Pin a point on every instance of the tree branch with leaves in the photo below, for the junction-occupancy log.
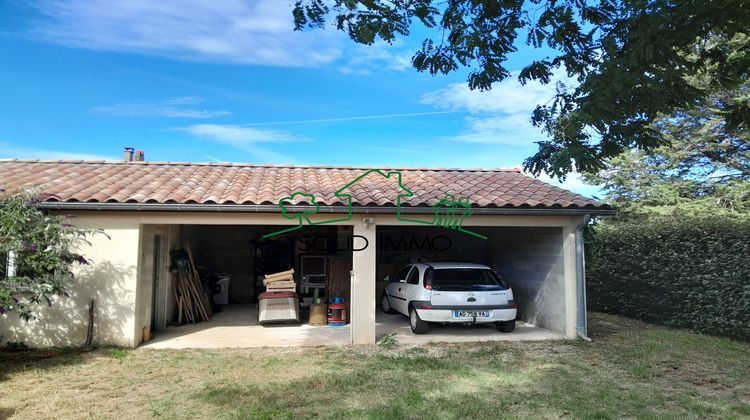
(634, 60)
(43, 248)
(705, 165)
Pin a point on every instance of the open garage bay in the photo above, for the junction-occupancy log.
(236, 327)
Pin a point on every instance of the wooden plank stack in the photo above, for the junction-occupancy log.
(193, 304)
(280, 282)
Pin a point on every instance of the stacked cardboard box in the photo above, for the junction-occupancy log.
(280, 282)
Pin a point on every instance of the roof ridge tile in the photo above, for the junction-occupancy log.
(256, 165)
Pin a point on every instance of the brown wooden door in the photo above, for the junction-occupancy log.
(339, 273)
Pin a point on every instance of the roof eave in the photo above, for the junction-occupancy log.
(272, 208)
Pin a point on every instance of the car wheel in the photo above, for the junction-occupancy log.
(385, 304)
(506, 326)
(417, 325)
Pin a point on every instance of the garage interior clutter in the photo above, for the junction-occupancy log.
(303, 277)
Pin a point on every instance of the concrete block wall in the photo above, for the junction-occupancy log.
(531, 259)
(402, 245)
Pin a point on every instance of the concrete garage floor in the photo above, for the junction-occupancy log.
(236, 327)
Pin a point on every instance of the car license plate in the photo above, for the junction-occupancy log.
(471, 314)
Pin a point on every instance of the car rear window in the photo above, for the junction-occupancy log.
(466, 279)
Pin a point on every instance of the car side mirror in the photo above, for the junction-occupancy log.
(387, 279)
(402, 280)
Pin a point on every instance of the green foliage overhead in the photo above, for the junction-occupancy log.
(705, 166)
(45, 253)
(677, 253)
(683, 270)
(634, 60)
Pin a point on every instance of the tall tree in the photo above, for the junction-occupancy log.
(633, 60)
(705, 164)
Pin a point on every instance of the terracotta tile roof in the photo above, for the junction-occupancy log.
(226, 183)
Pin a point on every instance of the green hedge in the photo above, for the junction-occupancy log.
(689, 271)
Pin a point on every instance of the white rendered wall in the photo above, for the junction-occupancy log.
(110, 280)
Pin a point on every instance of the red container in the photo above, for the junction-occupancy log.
(337, 314)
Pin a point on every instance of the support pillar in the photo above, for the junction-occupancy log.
(363, 284)
(571, 273)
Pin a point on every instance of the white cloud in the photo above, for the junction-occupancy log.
(174, 108)
(512, 129)
(234, 31)
(499, 116)
(9, 151)
(352, 118)
(246, 139)
(365, 59)
(235, 135)
(508, 97)
(254, 32)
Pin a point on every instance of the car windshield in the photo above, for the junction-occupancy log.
(466, 279)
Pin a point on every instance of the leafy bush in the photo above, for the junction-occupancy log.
(388, 341)
(689, 271)
(45, 249)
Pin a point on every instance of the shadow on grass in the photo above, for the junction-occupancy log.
(490, 380)
(22, 360)
(365, 381)
(454, 386)
(634, 371)
(603, 326)
(6, 412)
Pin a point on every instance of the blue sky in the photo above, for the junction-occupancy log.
(230, 81)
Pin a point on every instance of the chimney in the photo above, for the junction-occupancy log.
(128, 154)
(139, 156)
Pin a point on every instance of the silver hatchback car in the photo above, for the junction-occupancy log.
(450, 292)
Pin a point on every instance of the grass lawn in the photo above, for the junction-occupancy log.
(631, 369)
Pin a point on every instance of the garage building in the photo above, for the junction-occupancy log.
(341, 229)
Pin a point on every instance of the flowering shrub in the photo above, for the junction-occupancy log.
(43, 249)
